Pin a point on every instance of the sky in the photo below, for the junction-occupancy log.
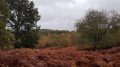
(62, 14)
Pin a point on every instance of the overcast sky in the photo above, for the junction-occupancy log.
(62, 14)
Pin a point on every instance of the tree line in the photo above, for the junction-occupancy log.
(19, 29)
(63, 39)
(49, 31)
(96, 30)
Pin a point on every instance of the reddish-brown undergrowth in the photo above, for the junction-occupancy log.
(60, 57)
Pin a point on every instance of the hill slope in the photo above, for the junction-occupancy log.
(60, 57)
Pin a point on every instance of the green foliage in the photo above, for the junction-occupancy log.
(23, 22)
(6, 40)
(97, 27)
(5, 35)
(31, 38)
(48, 31)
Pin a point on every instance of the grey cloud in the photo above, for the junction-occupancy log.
(105, 4)
(62, 14)
(47, 2)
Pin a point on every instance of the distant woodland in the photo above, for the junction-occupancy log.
(98, 29)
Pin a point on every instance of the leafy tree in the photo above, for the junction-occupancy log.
(23, 22)
(96, 25)
(4, 34)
